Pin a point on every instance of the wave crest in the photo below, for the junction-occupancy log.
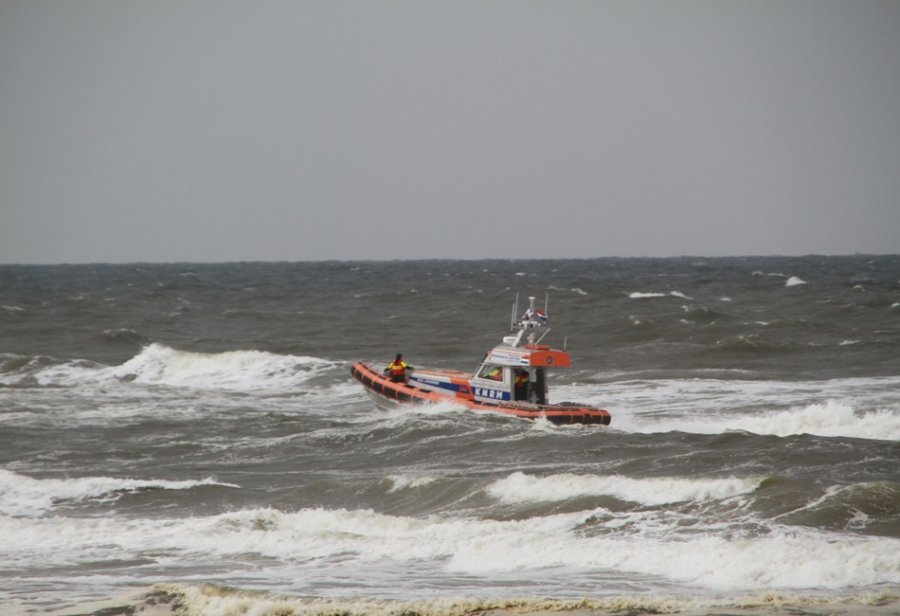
(521, 488)
(343, 540)
(232, 370)
(157, 364)
(21, 495)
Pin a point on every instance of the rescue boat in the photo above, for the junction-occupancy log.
(511, 379)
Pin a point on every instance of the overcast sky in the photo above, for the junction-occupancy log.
(220, 130)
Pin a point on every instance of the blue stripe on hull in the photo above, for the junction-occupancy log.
(434, 384)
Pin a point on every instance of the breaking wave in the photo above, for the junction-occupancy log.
(653, 294)
(235, 370)
(340, 540)
(158, 364)
(21, 495)
(522, 488)
(865, 408)
(830, 419)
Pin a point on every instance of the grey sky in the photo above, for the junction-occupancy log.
(223, 130)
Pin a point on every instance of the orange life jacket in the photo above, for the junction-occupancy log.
(397, 368)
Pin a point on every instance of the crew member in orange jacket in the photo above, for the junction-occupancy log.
(397, 369)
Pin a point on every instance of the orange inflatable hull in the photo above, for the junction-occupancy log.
(383, 389)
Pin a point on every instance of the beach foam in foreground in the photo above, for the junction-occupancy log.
(208, 600)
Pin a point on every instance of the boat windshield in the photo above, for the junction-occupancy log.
(491, 372)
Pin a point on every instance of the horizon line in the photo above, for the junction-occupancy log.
(445, 259)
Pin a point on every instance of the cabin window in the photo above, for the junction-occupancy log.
(491, 372)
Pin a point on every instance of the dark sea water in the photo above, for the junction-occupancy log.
(197, 424)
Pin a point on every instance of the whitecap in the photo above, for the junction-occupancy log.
(354, 541)
(157, 364)
(867, 408)
(832, 418)
(522, 488)
(829, 419)
(21, 495)
(404, 482)
(654, 294)
(639, 295)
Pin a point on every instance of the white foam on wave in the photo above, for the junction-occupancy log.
(42, 370)
(830, 419)
(640, 295)
(158, 364)
(214, 600)
(402, 412)
(405, 482)
(575, 290)
(233, 370)
(522, 488)
(363, 542)
(867, 408)
(783, 559)
(21, 495)
(794, 281)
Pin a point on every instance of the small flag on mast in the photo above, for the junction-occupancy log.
(534, 314)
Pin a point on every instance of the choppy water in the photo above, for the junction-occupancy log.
(197, 423)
